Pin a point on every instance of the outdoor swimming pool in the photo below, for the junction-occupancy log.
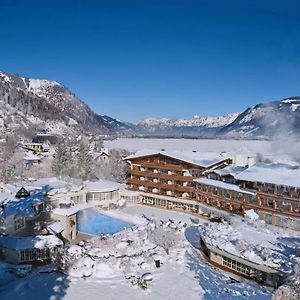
(92, 222)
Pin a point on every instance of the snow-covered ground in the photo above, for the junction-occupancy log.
(102, 265)
(275, 150)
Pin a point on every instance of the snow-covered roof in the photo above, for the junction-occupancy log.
(30, 156)
(101, 186)
(55, 227)
(276, 173)
(222, 185)
(197, 158)
(21, 207)
(71, 210)
(29, 242)
(257, 245)
(230, 170)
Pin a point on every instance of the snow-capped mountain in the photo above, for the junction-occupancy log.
(196, 126)
(32, 104)
(209, 122)
(267, 120)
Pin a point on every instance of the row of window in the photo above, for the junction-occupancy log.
(235, 265)
(102, 196)
(35, 254)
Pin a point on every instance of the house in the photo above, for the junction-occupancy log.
(34, 147)
(29, 249)
(102, 156)
(23, 214)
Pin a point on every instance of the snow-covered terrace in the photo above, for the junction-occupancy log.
(230, 170)
(197, 158)
(275, 173)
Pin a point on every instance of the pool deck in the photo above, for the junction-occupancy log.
(81, 237)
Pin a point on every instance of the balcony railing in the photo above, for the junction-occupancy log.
(162, 175)
(161, 185)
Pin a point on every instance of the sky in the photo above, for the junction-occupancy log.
(148, 58)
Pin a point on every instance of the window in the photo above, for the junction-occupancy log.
(35, 254)
(235, 265)
(19, 223)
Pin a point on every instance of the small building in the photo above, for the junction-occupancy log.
(31, 159)
(35, 147)
(66, 215)
(241, 266)
(102, 156)
(30, 249)
(24, 213)
(102, 193)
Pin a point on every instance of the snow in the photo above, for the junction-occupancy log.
(111, 266)
(30, 242)
(23, 206)
(71, 210)
(230, 170)
(101, 186)
(55, 227)
(200, 145)
(209, 122)
(251, 215)
(253, 242)
(275, 173)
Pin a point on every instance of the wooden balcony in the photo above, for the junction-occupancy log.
(295, 199)
(162, 175)
(161, 185)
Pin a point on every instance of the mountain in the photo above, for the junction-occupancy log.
(267, 120)
(30, 105)
(194, 127)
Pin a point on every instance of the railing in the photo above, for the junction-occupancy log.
(161, 185)
(162, 175)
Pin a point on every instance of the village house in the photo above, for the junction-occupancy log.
(36, 148)
(102, 156)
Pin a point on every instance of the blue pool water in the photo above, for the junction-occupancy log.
(92, 222)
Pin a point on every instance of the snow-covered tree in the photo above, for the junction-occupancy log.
(114, 169)
(164, 237)
(61, 260)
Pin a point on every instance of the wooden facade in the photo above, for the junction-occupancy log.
(164, 175)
